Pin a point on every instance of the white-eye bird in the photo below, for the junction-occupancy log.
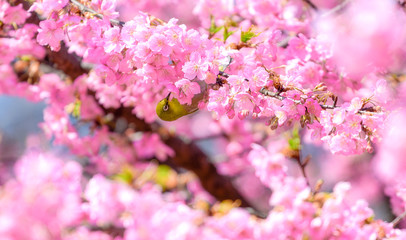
(170, 109)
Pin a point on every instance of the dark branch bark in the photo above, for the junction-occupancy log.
(190, 157)
(84, 9)
(311, 4)
(66, 62)
(187, 155)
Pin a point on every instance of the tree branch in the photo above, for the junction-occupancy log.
(84, 9)
(187, 155)
(266, 92)
(311, 4)
(190, 157)
(336, 9)
(398, 219)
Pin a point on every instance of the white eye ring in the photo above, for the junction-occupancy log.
(165, 108)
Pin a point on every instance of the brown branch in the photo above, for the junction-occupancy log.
(209, 137)
(277, 95)
(336, 9)
(398, 219)
(191, 157)
(296, 155)
(187, 155)
(311, 4)
(302, 166)
(84, 9)
(62, 60)
(266, 92)
(68, 63)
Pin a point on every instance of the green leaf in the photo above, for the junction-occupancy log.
(226, 33)
(26, 57)
(213, 27)
(125, 175)
(246, 36)
(294, 141)
(163, 172)
(76, 108)
(295, 132)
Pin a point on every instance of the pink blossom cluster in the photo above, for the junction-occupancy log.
(46, 200)
(256, 68)
(19, 42)
(293, 15)
(146, 58)
(383, 38)
(388, 162)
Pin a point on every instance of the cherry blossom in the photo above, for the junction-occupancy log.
(272, 82)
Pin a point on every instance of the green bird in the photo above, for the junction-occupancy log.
(170, 110)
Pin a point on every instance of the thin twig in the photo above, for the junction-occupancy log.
(311, 4)
(398, 219)
(84, 9)
(303, 163)
(335, 9)
(303, 170)
(276, 95)
(210, 137)
(226, 75)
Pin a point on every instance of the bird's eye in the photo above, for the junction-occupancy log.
(165, 108)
